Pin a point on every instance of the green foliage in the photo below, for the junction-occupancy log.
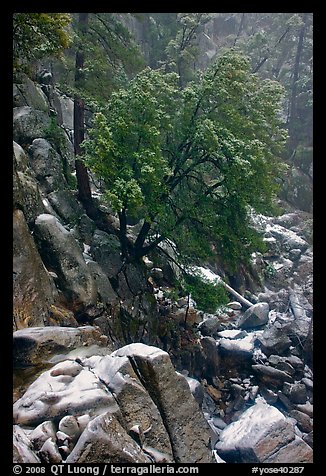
(111, 57)
(270, 271)
(36, 35)
(56, 136)
(207, 295)
(190, 162)
(182, 51)
(271, 40)
(125, 146)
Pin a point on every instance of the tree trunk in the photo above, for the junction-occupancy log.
(240, 29)
(84, 189)
(295, 77)
(238, 296)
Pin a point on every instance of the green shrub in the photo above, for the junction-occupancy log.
(208, 296)
(56, 136)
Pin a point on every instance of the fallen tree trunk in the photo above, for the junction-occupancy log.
(234, 293)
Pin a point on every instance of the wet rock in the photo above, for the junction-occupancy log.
(196, 389)
(232, 334)
(212, 359)
(69, 424)
(20, 158)
(219, 423)
(49, 453)
(277, 300)
(274, 340)
(47, 165)
(253, 392)
(30, 94)
(286, 237)
(297, 451)
(309, 439)
(255, 316)
(256, 435)
(303, 421)
(65, 109)
(308, 345)
(27, 196)
(28, 124)
(306, 408)
(41, 433)
(298, 190)
(34, 290)
(105, 440)
(22, 449)
(235, 353)
(172, 395)
(210, 326)
(270, 396)
(271, 376)
(295, 361)
(308, 383)
(106, 252)
(281, 363)
(294, 254)
(285, 401)
(62, 439)
(86, 228)
(296, 392)
(66, 206)
(105, 292)
(62, 254)
(37, 345)
(45, 77)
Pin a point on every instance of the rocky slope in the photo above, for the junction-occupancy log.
(107, 367)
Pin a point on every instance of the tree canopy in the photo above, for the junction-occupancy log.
(188, 163)
(37, 35)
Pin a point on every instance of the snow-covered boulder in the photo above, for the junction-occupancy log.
(255, 316)
(262, 434)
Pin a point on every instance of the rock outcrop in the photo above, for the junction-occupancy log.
(34, 290)
(126, 407)
(62, 255)
(37, 345)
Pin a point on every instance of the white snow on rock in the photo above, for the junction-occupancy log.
(60, 391)
(139, 349)
(232, 334)
(246, 344)
(260, 431)
(206, 273)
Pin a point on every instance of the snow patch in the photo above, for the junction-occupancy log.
(206, 273)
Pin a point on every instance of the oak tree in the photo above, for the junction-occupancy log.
(189, 163)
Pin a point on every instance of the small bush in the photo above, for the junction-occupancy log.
(208, 296)
(56, 136)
